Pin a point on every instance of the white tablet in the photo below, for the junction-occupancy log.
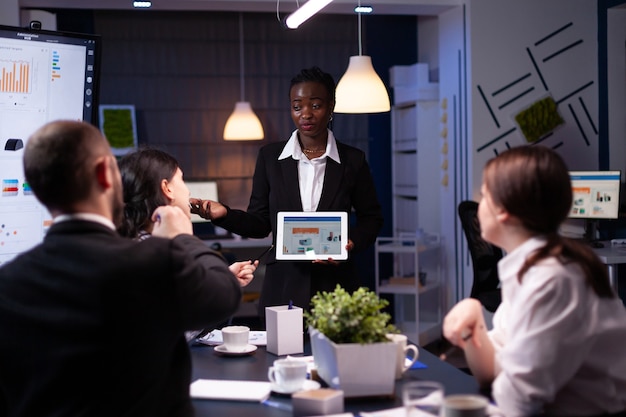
(312, 235)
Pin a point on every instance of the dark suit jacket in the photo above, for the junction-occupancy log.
(275, 188)
(91, 324)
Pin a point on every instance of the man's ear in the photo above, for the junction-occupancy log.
(103, 173)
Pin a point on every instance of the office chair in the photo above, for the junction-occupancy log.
(485, 257)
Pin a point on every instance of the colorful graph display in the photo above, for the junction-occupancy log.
(15, 76)
(56, 68)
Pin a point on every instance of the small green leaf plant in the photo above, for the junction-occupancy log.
(539, 119)
(350, 318)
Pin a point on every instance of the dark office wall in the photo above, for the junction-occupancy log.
(181, 71)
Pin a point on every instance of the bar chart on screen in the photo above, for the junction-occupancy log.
(15, 76)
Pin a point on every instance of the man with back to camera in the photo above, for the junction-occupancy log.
(91, 323)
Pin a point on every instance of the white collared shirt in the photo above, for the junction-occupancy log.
(91, 217)
(310, 171)
(558, 345)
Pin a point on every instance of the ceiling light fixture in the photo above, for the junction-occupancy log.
(363, 9)
(142, 4)
(305, 12)
(360, 89)
(243, 123)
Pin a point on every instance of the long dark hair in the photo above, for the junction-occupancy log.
(532, 183)
(142, 173)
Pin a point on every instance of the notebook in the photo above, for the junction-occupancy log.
(217, 389)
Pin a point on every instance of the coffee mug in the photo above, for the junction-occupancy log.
(235, 338)
(465, 405)
(403, 348)
(287, 374)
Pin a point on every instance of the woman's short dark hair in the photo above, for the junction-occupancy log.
(142, 173)
(315, 74)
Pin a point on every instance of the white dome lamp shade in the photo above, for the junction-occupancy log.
(243, 123)
(360, 89)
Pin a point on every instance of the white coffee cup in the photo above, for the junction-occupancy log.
(235, 338)
(403, 348)
(289, 375)
(465, 405)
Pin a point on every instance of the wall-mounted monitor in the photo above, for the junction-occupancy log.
(44, 76)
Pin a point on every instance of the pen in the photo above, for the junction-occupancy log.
(264, 252)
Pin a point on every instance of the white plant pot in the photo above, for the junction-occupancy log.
(358, 370)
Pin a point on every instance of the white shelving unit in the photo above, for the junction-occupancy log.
(415, 282)
(416, 168)
(415, 151)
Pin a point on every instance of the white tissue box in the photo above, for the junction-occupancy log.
(285, 335)
(317, 402)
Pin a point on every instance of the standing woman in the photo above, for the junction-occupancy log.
(557, 347)
(310, 172)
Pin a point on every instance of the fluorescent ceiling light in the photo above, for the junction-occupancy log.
(305, 11)
(142, 4)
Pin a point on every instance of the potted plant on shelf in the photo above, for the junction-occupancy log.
(349, 343)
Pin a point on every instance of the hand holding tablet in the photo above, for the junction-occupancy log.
(312, 235)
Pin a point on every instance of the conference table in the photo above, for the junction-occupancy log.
(208, 364)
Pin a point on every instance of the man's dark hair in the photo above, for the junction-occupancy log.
(57, 160)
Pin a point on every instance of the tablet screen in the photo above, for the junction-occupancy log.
(312, 235)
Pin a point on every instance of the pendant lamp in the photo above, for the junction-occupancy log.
(243, 123)
(360, 89)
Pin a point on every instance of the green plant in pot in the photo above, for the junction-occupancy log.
(348, 341)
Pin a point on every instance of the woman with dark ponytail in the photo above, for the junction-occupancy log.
(558, 339)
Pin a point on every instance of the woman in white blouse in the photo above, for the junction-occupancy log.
(558, 343)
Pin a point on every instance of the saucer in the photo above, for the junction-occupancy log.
(307, 386)
(222, 349)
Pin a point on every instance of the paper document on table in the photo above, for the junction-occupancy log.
(492, 411)
(392, 412)
(216, 389)
(258, 338)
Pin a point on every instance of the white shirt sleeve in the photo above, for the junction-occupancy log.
(545, 313)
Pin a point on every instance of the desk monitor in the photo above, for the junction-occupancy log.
(595, 196)
(203, 228)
